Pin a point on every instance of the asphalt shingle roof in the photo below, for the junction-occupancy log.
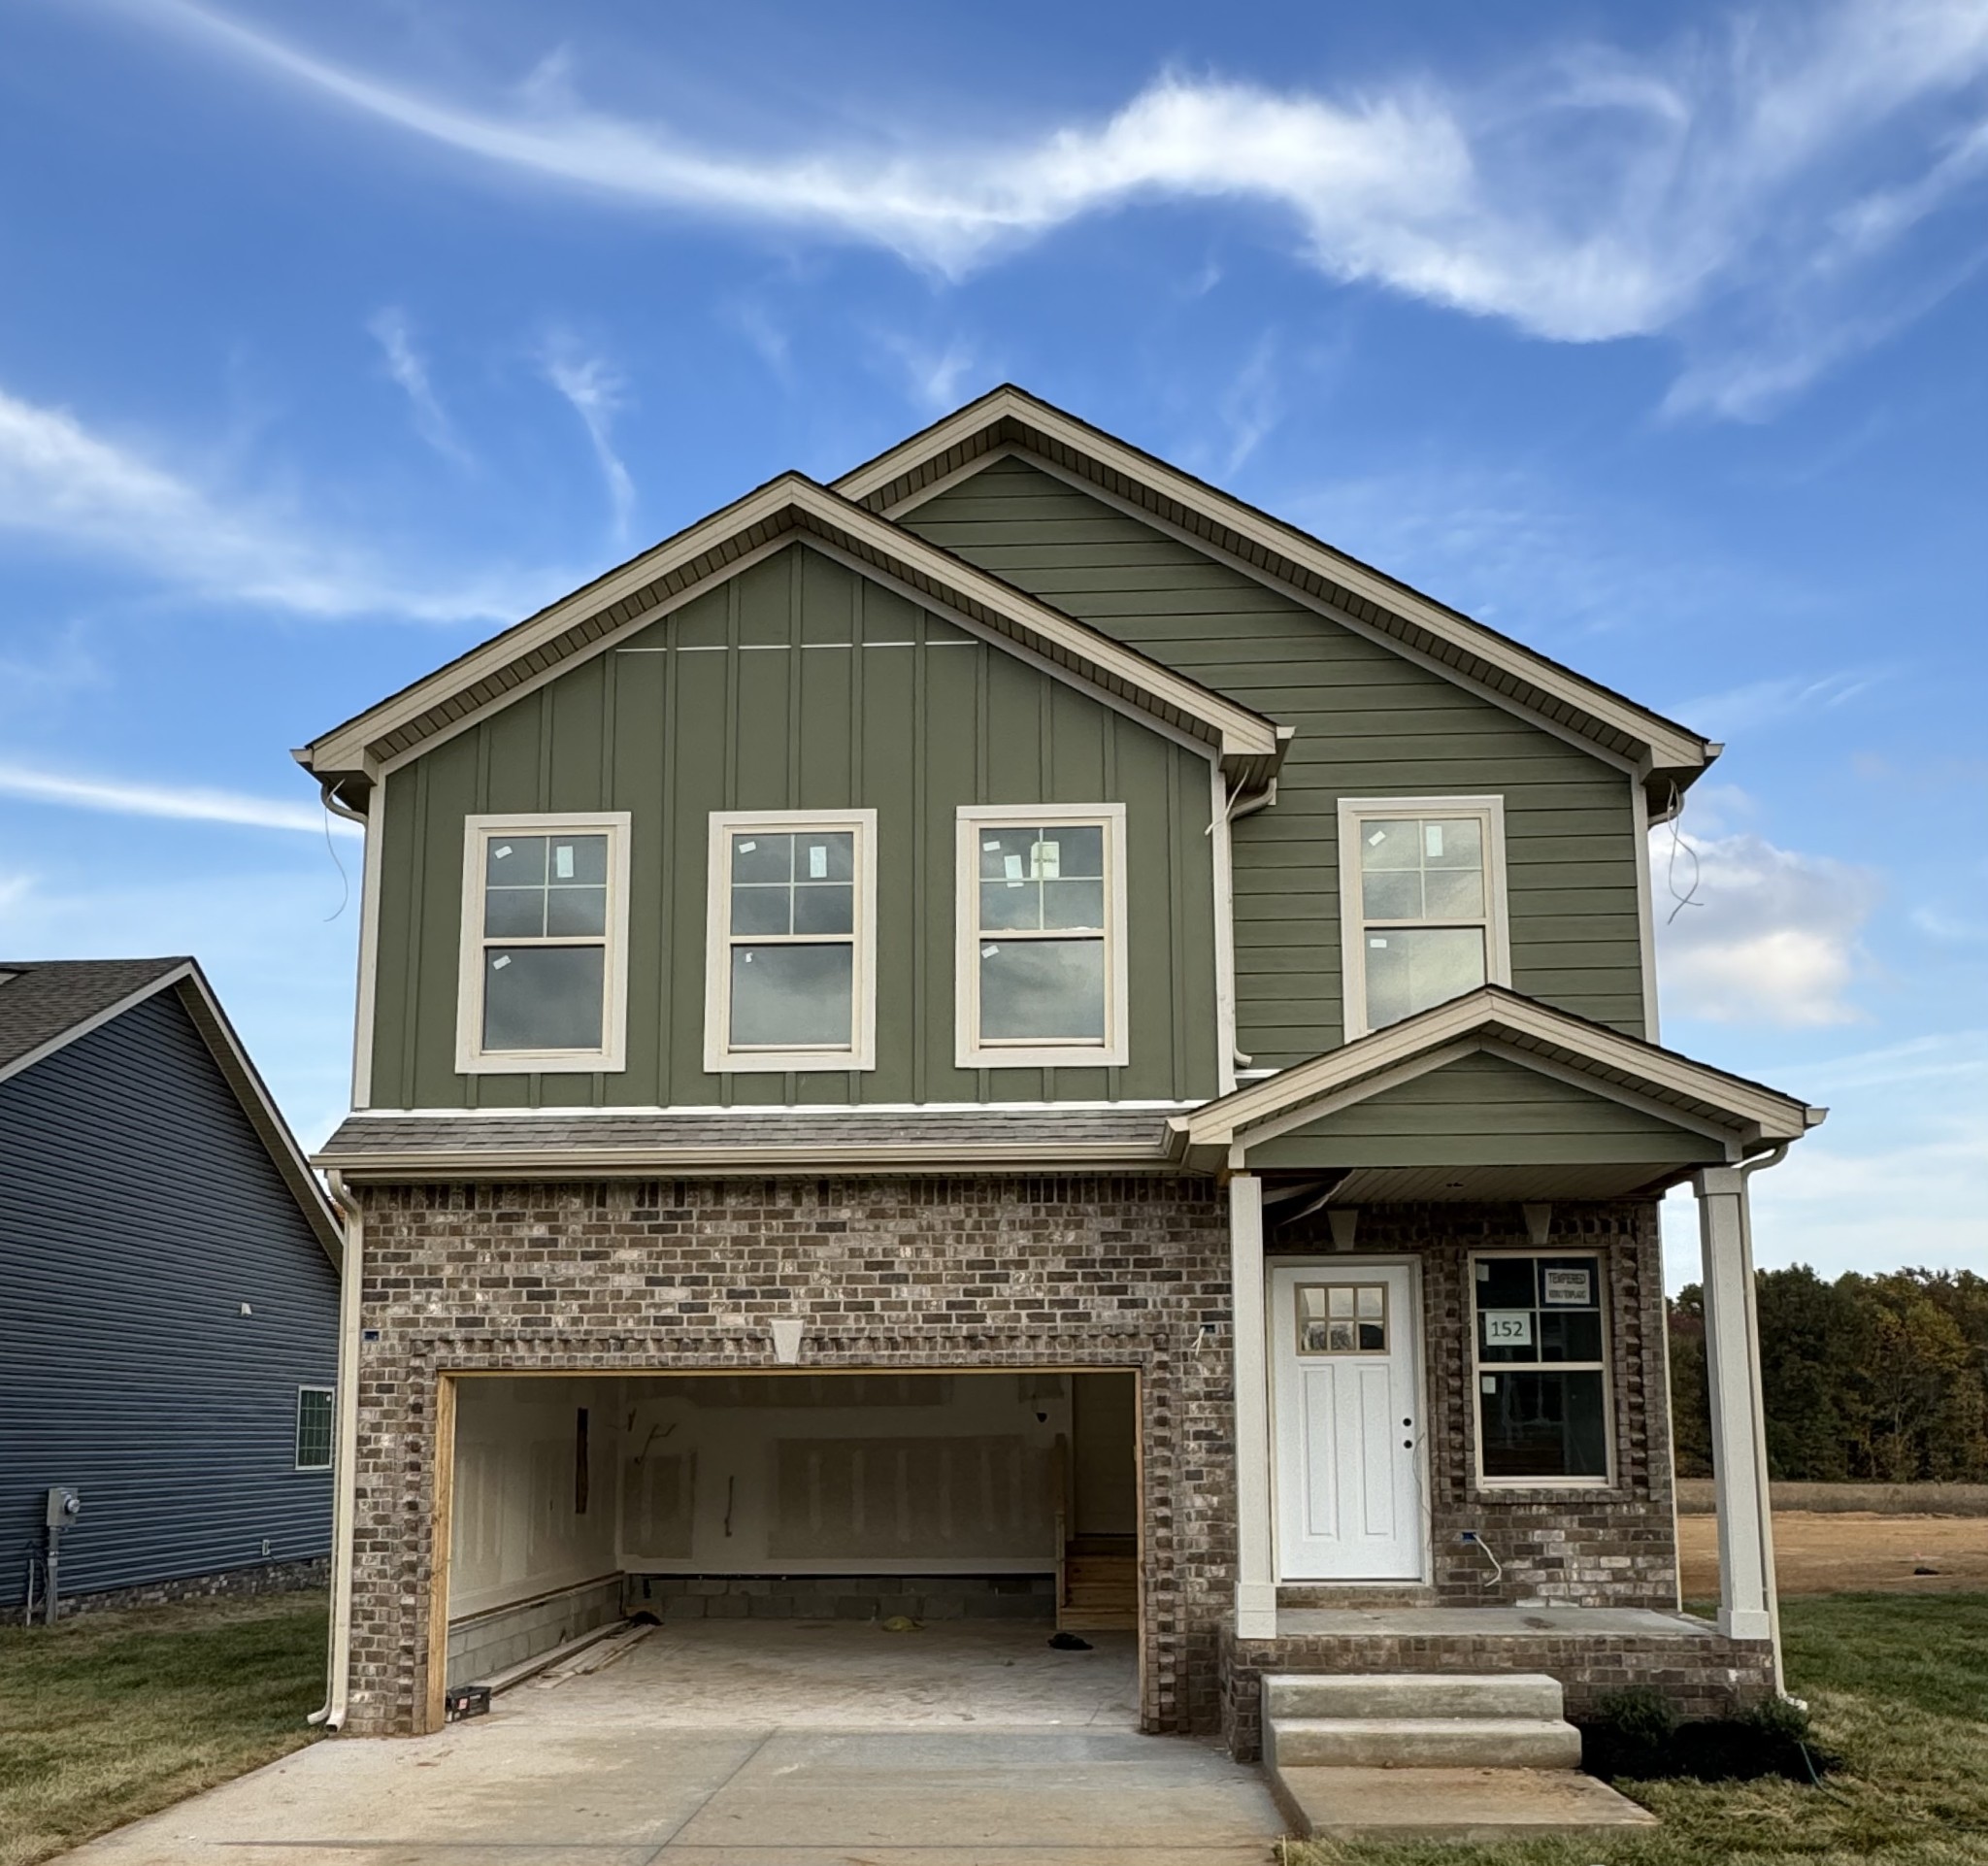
(42, 999)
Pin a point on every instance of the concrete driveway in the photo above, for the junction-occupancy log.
(781, 1745)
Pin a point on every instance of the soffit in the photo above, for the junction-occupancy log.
(1663, 752)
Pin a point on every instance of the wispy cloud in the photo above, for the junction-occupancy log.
(1760, 703)
(1750, 191)
(934, 374)
(65, 485)
(1253, 403)
(187, 803)
(1771, 936)
(408, 368)
(597, 392)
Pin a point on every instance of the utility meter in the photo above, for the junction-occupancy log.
(64, 1506)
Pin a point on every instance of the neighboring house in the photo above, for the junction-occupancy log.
(1152, 1021)
(170, 1336)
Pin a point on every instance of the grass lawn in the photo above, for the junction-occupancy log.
(1899, 1688)
(107, 1716)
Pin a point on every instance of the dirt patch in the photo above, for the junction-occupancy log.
(1849, 1552)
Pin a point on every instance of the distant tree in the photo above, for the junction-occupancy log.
(1691, 1420)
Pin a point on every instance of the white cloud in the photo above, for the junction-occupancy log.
(408, 368)
(1759, 703)
(63, 485)
(1772, 937)
(1734, 188)
(597, 393)
(187, 803)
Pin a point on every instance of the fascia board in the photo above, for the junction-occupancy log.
(571, 1162)
(794, 504)
(1667, 745)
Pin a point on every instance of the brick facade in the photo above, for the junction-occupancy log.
(983, 1273)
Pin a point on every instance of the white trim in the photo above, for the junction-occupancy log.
(1604, 1302)
(372, 858)
(297, 1429)
(1422, 1063)
(1222, 856)
(1645, 912)
(610, 1058)
(1618, 1093)
(755, 1110)
(720, 1057)
(970, 1051)
(1256, 1590)
(1354, 925)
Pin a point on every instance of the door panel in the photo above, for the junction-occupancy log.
(1345, 1386)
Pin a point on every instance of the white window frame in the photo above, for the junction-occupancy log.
(720, 1057)
(1356, 811)
(471, 1057)
(968, 1052)
(1605, 1305)
(297, 1428)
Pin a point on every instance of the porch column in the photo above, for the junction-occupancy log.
(1256, 1590)
(1732, 1357)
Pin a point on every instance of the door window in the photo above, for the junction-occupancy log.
(1341, 1318)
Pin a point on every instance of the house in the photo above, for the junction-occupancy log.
(171, 1334)
(1013, 1020)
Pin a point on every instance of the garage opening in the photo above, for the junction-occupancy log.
(788, 1517)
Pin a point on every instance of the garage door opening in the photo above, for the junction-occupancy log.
(782, 1521)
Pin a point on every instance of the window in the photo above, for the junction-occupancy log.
(1543, 1370)
(1421, 904)
(545, 959)
(313, 1428)
(790, 978)
(1041, 962)
(1341, 1318)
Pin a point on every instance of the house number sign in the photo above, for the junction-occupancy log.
(1508, 1327)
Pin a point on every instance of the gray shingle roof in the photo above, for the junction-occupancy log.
(45, 999)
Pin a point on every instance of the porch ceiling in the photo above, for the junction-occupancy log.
(1499, 1185)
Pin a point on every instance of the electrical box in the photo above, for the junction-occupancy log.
(64, 1506)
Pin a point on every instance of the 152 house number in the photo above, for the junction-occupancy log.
(1508, 1328)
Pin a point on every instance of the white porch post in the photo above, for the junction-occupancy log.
(1732, 1355)
(1256, 1591)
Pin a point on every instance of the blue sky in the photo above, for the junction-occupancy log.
(333, 338)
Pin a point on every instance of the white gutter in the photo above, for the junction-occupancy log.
(345, 1478)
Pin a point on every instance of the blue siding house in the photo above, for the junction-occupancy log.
(168, 1295)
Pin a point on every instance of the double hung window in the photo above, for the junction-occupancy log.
(791, 960)
(1421, 904)
(1041, 964)
(543, 970)
(1542, 1369)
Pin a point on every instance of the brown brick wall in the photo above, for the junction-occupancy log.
(994, 1271)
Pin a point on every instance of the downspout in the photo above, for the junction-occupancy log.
(344, 1504)
(1773, 1591)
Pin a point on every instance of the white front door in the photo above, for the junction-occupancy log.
(1347, 1398)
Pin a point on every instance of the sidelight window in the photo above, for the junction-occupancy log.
(1542, 1369)
(791, 962)
(544, 964)
(1421, 904)
(1040, 979)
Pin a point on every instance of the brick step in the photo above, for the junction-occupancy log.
(1416, 1694)
(1412, 1741)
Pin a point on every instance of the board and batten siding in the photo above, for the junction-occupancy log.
(139, 1211)
(796, 684)
(1369, 723)
(1487, 1111)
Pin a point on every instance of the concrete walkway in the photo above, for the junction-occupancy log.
(1027, 1759)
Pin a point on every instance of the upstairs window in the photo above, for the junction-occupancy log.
(790, 978)
(1421, 904)
(1041, 963)
(544, 967)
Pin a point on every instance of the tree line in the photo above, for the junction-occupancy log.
(1867, 1379)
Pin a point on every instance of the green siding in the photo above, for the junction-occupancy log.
(1487, 1111)
(796, 684)
(1369, 723)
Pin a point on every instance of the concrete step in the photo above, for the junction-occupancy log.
(1472, 1806)
(1433, 1743)
(1413, 1694)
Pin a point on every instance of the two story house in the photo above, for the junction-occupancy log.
(1009, 1015)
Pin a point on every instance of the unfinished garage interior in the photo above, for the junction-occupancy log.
(576, 1500)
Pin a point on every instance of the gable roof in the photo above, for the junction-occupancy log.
(46, 1004)
(348, 759)
(1664, 754)
(1539, 1036)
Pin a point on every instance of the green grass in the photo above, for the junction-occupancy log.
(109, 1717)
(1899, 1688)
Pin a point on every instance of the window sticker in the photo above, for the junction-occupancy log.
(1432, 838)
(500, 962)
(1508, 1327)
(1567, 1289)
(562, 861)
(1011, 866)
(503, 850)
(1381, 944)
(1487, 1383)
(990, 952)
(990, 848)
(1483, 1271)
(1379, 837)
(1049, 861)
(747, 849)
(817, 861)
